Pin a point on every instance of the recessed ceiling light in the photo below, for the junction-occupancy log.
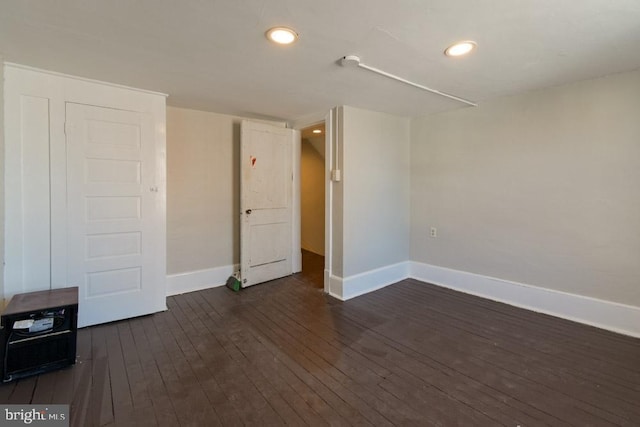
(282, 35)
(317, 131)
(460, 48)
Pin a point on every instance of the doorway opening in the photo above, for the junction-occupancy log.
(312, 203)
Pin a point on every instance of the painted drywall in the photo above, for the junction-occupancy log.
(318, 144)
(312, 198)
(203, 190)
(376, 190)
(540, 189)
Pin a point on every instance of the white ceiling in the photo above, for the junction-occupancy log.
(212, 54)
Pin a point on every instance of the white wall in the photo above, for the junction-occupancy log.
(540, 189)
(203, 198)
(375, 199)
(202, 190)
(312, 198)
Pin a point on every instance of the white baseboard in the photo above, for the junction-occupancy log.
(335, 285)
(616, 317)
(369, 281)
(200, 279)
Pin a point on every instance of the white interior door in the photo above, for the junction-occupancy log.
(265, 202)
(112, 221)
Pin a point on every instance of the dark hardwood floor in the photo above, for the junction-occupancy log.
(285, 353)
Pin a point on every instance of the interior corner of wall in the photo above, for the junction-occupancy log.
(335, 287)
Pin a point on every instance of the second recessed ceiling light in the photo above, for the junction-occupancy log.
(282, 35)
(461, 48)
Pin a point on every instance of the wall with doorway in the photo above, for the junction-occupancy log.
(312, 196)
(203, 198)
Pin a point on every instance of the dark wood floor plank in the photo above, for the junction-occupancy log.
(574, 337)
(63, 385)
(6, 390)
(169, 384)
(122, 402)
(354, 377)
(544, 340)
(590, 383)
(45, 389)
(251, 349)
(140, 395)
(328, 401)
(322, 400)
(79, 409)
(234, 374)
(347, 370)
(374, 352)
(408, 371)
(162, 405)
(377, 348)
(325, 373)
(192, 390)
(468, 363)
(246, 399)
(513, 334)
(522, 366)
(23, 391)
(100, 404)
(284, 353)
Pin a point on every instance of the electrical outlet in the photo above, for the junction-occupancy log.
(433, 232)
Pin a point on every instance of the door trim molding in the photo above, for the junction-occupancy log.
(296, 200)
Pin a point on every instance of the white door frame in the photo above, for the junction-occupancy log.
(328, 120)
(296, 212)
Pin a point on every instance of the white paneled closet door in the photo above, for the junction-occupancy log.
(112, 222)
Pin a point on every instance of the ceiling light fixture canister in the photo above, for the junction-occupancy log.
(461, 48)
(281, 35)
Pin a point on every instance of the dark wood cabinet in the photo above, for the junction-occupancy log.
(39, 331)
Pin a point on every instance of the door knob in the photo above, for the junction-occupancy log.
(248, 211)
